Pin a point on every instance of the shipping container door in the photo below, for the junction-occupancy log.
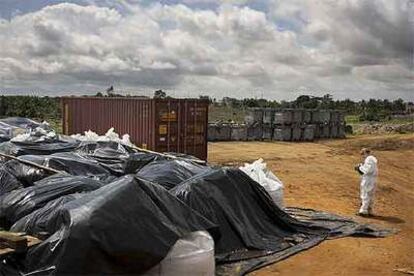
(166, 126)
(193, 128)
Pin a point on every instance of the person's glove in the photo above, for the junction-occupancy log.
(358, 169)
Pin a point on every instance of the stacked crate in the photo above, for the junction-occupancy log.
(238, 133)
(294, 124)
(324, 122)
(329, 123)
(282, 124)
(254, 122)
(268, 117)
(219, 132)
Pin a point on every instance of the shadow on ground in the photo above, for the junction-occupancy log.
(389, 219)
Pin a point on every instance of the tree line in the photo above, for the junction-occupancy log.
(40, 108)
(367, 110)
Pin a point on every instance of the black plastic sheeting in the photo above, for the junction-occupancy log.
(90, 147)
(125, 227)
(338, 227)
(44, 220)
(15, 175)
(250, 223)
(72, 163)
(170, 173)
(15, 125)
(62, 144)
(103, 161)
(116, 158)
(20, 122)
(19, 203)
(40, 139)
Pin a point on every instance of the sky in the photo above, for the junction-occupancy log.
(357, 49)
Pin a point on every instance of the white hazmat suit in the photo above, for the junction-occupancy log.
(369, 170)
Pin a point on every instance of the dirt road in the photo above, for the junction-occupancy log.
(321, 176)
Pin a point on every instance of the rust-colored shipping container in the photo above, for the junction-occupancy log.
(163, 125)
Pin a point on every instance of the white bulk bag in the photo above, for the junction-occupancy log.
(190, 255)
(259, 173)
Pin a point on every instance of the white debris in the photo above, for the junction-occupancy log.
(110, 135)
(40, 133)
(259, 173)
(21, 137)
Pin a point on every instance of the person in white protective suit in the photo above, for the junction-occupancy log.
(369, 173)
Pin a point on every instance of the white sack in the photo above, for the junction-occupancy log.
(110, 135)
(259, 173)
(190, 255)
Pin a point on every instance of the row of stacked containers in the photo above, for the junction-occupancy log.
(282, 125)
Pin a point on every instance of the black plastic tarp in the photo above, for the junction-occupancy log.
(70, 162)
(15, 175)
(123, 228)
(170, 173)
(62, 144)
(6, 132)
(90, 147)
(8, 181)
(19, 203)
(20, 122)
(117, 158)
(250, 223)
(12, 126)
(46, 219)
(337, 227)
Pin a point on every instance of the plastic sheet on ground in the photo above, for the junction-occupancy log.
(126, 227)
(338, 226)
(170, 173)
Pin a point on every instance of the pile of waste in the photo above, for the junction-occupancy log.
(103, 206)
(384, 128)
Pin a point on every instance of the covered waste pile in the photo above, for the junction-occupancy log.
(15, 126)
(106, 208)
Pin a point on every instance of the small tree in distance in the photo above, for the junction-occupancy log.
(159, 94)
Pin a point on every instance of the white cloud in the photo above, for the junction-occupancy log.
(354, 49)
